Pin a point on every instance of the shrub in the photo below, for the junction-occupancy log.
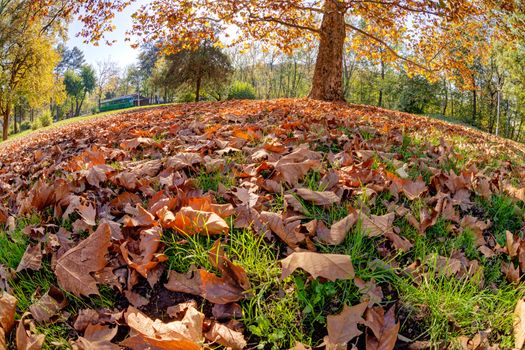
(186, 97)
(36, 125)
(45, 119)
(25, 126)
(241, 91)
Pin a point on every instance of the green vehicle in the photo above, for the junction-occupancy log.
(117, 103)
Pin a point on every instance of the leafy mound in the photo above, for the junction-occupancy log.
(276, 224)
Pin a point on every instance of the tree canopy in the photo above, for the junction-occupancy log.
(421, 35)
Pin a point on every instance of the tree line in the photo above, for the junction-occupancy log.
(458, 59)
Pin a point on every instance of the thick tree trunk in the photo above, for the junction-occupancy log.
(327, 83)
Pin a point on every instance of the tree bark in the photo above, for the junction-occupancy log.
(5, 126)
(380, 100)
(198, 90)
(327, 82)
(474, 106)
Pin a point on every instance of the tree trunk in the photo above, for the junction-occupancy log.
(474, 106)
(445, 103)
(5, 126)
(380, 100)
(498, 111)
(198, 90)
(327, 82)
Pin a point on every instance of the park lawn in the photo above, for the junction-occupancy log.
(267, 224)
(68, 121)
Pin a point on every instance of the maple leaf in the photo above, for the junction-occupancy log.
(287, 233)
(74, 267)
(342, 327)
(329, 266)
(185, 334)
(7, 311)
(97, 337)
(384, 329)
(191, 221)
(318, 198)
(519, 324)
(226, 337)
(28, 340)
(32, 259)
(48, 305)
(339, 230)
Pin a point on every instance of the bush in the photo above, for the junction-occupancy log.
(25, 126)
(45, 119)
(241, 91)
(35, 125)
(186, 97)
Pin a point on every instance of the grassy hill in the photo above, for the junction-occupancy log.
(269, 224)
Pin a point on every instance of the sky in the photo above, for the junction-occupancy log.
(120, 52)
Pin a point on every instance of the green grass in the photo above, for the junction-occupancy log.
(504, 215)
(78, 119)
(28, 285)
(448, 307)
(274, 319)
(210, 181)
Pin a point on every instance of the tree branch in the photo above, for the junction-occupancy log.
(382, 42)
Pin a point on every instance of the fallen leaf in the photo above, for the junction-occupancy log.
(384, 329)
(184, 335)
(329, 266)
(32, 259)
(27, 340)
(342, 327)
(226, 337)
(338, 232)
(7, 311)
(287, 233)
(48, 305)
(318, 198)
(191, 221)
(74, 267)
(519, 324)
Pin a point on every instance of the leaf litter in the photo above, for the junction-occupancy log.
(299, 174)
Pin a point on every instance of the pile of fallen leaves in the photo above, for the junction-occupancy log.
(108, 192)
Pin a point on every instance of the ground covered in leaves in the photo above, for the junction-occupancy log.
(271, 225)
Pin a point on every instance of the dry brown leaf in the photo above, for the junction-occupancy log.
(74, 267)
(27, 340)
(32, 259)
(97, 337)
(184, 335)
(339, 230)
(376, 225)
(217, 290)
(342, 327)
(191, 221)
(147, 257)
(226, 337)
(329, 266)
(384, 329)
(318, 198)
(48, 305)
(287, 233)
(7, 311)
(141, 217)
(519, 324)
